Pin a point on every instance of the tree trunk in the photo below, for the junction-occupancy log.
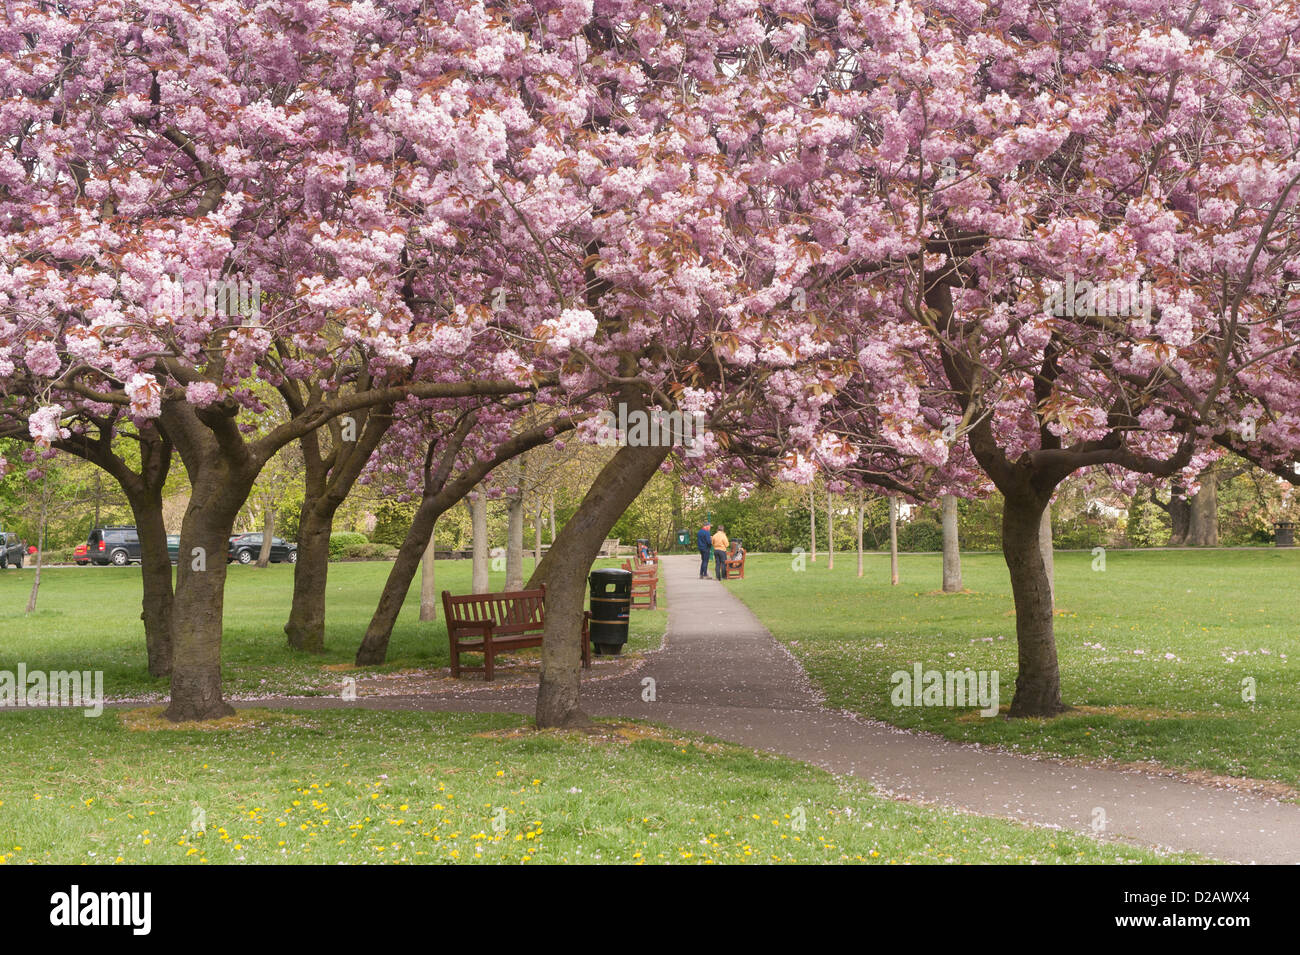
(478, 521)
(554, 529)
(537, 537)
(812, 522)
(1038, 681)
(305, 627)
(268, 534)
(374, 645)
(515, 535)
(893, 541)
(565, 567)
(951, 547)
(143, 491)
(327, 481)
(861, 513)
(441, 492)
(200, 595)
(146, 503)
(428, 586)
(830, 531)
(1179, 510)
(156, 577)
(1203, 513)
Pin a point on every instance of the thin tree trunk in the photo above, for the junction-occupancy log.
(830, 531)
(1038, 681)
(812, 522)
(951, 546)
(441, 492)
(268, 534)
(565, 567)
(893, 541)
(478, 522)
(861, 509)
(537, 536)
(428, 584)
(515, 533)
(554, 529)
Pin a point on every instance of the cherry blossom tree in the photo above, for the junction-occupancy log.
(1065, 237)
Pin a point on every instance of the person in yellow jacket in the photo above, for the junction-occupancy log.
(720, 545)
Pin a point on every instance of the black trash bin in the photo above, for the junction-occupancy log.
(1285, 533)
(611, 602)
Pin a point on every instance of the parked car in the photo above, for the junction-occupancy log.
(245, 548)
(81, 554)
(11, 550)
(119, 545)
(174, 547)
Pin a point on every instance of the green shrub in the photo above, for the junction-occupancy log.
(920, 535)
(341, 540)
(368, 551)
(392, 521)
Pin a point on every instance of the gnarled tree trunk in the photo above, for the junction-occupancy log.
(1203, 513)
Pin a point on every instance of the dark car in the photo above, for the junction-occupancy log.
(246, 548)
(174, 547)
(114, 545)
(11, 550)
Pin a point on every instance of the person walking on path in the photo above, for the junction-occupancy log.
(704, 541)
(720, 545)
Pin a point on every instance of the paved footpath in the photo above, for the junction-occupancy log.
(721, 672)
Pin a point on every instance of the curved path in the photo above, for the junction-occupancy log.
(721, 672)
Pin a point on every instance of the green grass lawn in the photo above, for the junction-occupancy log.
(1153, 650)
(356, 786)
(88, 618)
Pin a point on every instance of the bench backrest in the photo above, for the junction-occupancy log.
(508, 609)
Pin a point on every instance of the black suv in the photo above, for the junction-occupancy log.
(246, 548)
(113, 545)
(11, 550)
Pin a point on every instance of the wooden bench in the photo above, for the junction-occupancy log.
(645, 585)
(496, 623)
(735, 564)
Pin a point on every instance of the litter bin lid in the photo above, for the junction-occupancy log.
(610, 573)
